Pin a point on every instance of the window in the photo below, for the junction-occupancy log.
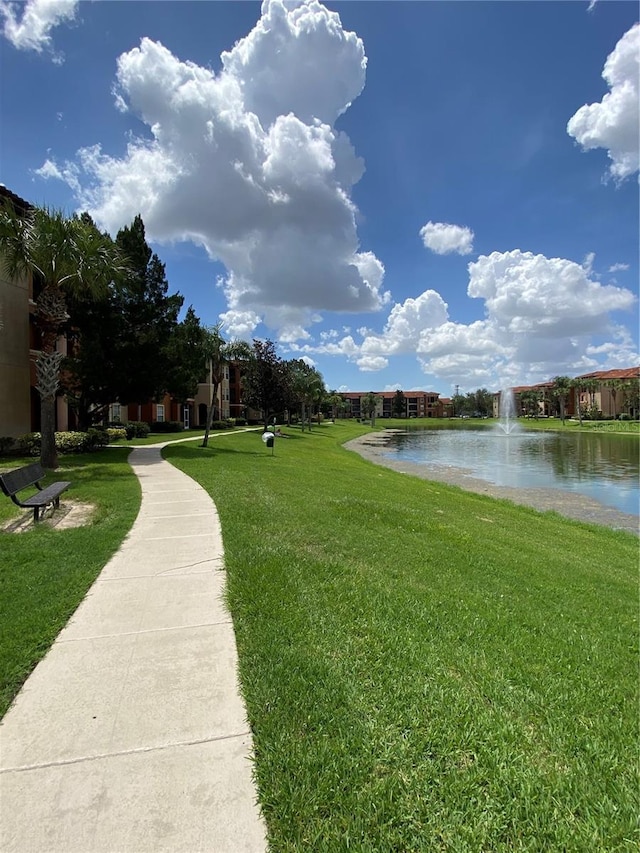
(160, 412)
(115, 412)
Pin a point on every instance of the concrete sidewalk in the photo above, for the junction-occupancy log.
(131, 734)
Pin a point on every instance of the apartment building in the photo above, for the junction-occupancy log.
(418, 404)
(601, 391)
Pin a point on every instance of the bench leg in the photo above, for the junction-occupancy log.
(36, 514)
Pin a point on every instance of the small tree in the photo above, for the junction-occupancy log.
(336, 403)
(305, 387)
(368, 405)
(186, 358)
(264, 380)
(399, 404)
(530, 401)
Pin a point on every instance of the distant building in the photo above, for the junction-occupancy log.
(603, 393)
(418, 404)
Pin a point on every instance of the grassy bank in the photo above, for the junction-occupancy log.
(555, 424)
(424, 668)
(45, 573)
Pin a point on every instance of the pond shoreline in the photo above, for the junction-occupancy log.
(570, 504)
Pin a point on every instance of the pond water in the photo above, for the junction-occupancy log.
(603, 467)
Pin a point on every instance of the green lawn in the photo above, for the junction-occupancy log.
(45, 573)
(425, 668)
(187, 434)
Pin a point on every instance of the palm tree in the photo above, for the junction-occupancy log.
(591, 386)
(561, 390)
(219, 353)
(66, 256)
(306, 387)
(614, 386)
(578, 387)
(368, 405)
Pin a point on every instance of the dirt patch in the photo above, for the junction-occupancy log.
(68, 514)
(569, 504)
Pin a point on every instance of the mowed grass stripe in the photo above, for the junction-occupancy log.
(424, 668)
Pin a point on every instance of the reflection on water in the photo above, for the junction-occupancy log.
(603, 467)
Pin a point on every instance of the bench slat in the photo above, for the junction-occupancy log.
(20, 478)
(46, 496)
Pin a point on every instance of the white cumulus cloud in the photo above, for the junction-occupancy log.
(543, 316)
(31, 30)
(613, 123)
(444, 239)
(248, 164)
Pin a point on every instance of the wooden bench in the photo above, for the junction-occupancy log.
(15, 481)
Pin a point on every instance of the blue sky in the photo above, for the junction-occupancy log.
(406, 194)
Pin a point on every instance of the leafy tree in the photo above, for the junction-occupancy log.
(65, 256)
(483, 402)
(630, 390)
(264, 380)
(368, 405)
(399, 404)
(529, 400)
(186, 354)
(459, 404)
(305, 387)
(561, 390)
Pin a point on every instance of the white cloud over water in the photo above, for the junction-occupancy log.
(542, 317)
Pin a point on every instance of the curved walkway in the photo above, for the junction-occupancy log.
(131, 734)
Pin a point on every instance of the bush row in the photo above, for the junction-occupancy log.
(66, 442)
(82, 442)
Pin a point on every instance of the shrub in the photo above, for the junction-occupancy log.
(241, 421)
(97, 437)
(29, 444)
(116, 433)
(6, 444)
(166, 426)
(623, 416)
(220, 425)
(137, 429)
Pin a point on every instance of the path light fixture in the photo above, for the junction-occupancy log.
(269, 439)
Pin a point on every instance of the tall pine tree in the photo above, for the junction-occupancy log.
(149, 316)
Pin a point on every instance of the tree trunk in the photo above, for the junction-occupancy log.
(210, 413)
(47, 376)
(48, 452)
(578, 406)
